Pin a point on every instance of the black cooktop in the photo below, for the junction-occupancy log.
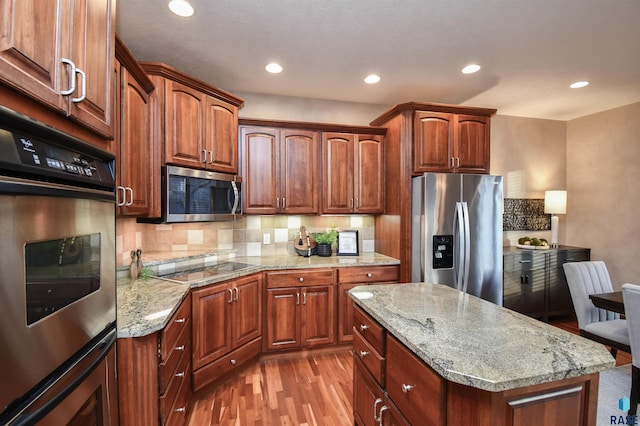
(206, 272)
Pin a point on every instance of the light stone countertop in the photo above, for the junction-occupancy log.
(144, 306)
(473, 342)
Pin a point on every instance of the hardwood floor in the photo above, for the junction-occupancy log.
(305, 390)
(313, 390)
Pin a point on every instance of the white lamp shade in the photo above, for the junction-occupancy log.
(555, 202)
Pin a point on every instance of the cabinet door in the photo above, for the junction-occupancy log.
(433, 136)
(524, 287)
(369, 174)
(221, 136)
(32, 32)
(368, 397)
(560, 301)
(283, 318)
(247, 309)
(259, 168)
(299, 155)
(317, 315)
(345, 313)
(212, 323)
(184, 116)
(135, 151)
(92, 50)
(471, 149)
(337, 169)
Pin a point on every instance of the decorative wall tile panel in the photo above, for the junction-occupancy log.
(525, 214)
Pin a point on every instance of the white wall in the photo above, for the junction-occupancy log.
(603, 174)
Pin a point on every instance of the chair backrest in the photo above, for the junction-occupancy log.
(585, 278)
(631, 296)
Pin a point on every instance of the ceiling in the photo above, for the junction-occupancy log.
(529, 50)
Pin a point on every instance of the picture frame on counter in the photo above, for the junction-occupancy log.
(348, 243)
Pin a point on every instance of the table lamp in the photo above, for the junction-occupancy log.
(555, 202)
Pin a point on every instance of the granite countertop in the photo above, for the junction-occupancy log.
(144, 306)
(473, 342)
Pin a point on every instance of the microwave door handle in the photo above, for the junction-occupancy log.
(236, 197)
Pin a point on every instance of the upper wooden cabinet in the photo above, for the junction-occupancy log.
(353, 173)
(198, 122)
(280, 170)
(446, 142)
(60, 53)
(137, 157)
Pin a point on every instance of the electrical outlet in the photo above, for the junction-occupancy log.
(266, 238)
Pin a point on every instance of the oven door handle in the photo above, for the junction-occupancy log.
(103, 346)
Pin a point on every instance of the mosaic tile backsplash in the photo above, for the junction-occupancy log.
(525, 214)
(245, 236)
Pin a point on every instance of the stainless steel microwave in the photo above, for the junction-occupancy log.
(192, 195)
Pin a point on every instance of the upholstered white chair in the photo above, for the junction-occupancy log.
(600, 325)
(631, 296)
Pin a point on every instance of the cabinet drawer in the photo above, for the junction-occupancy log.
(214, 370)
(181, 377)
(525, 261)
(167, 368)
(370, 330)
(417, 390)
(178, 322)
(302, 277)
(369, 357)
(374, 274)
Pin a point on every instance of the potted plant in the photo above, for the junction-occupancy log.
(324, 240)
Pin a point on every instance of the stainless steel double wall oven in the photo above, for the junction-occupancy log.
(57, 277)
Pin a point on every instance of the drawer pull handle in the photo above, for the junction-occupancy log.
(301, 279)
(375, 409)
(382, 410)
(525, 261)
(180, 374)
(364, 353)
(369, 275)
(233, 362)
(179, 348)
(181, 410)
(180, 320)
(363, 327)
(407, 388)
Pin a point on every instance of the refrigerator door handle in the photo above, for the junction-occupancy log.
(467, 246)
(459, 260)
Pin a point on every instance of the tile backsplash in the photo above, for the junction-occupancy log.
(246, 236)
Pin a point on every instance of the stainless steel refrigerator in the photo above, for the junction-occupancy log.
(457, 232)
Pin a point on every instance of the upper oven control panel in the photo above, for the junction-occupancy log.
(31, 149)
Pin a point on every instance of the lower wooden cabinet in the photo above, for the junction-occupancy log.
(154, 373)
(227, 325)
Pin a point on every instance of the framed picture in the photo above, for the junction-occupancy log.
(348, 243)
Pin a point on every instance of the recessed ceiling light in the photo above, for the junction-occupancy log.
(579, 84)
(181, 8)
(470, 69)
(372, 79)
(273, 68)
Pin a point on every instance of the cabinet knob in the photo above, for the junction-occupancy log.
(369, 275)
(180, 320)
(301, 279)
(407, 388)
(233, 362)
(363, 327)
(179, 348)
(364, 353)
(180, 409)
(180, 374)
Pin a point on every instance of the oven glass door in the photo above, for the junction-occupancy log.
(57, 284)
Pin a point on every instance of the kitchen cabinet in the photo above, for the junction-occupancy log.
(198, 122)
(351, 277)
(534, 280)
(352, 173)
(300, 309)
(280, 170)
(415, 143)
(60, 54)
(447, 142)
(138, 188)
(227, 327)
(157, 372)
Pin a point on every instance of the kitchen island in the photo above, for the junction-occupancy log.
(429, 354)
